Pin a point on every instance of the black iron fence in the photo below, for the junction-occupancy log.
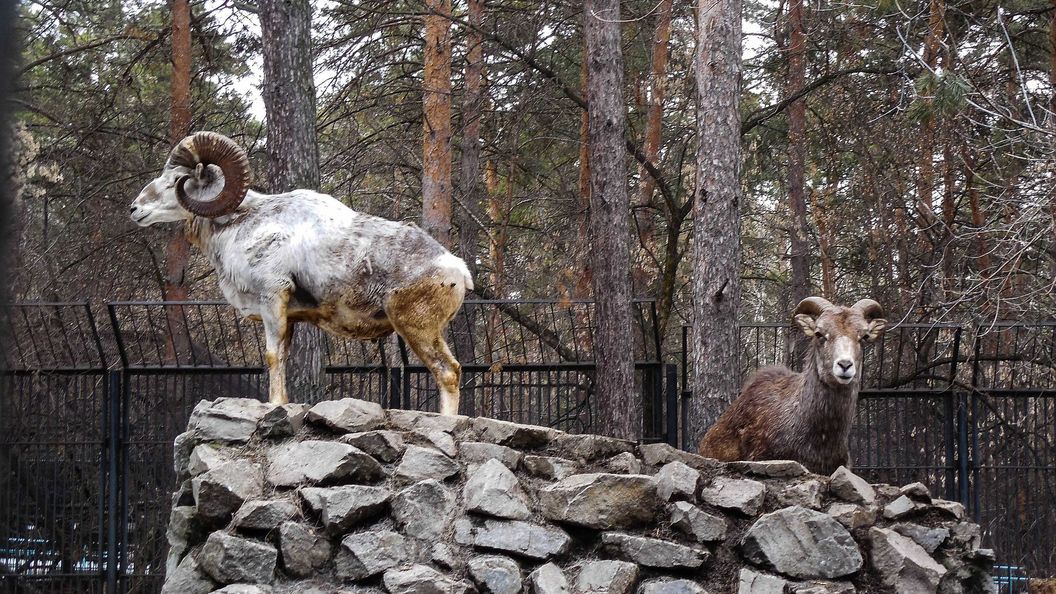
(91, 404)
(90, 411)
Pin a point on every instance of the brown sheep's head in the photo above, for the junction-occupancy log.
(837, 334)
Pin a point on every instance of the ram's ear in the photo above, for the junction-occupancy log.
(876, 329)
(806, 324)
(207, 175)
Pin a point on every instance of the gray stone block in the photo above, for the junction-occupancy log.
(424, 509)
(383, 444)
(548, 579)
(695, 522)
(601, 501)
(230, 420)
(264, 515)
(903, 564)
(850, 487)
(420, 463)
(322, 463)
(524, 539)
(653, 552)
(493, 490)
(802, 543)
(229, 559)
(221, 491)
(607, 577)
(743, 495)
(364, 554)
(496, 575)
(421, 579)
(348, 415)
(677, 481)
(303, 550)
(479, 452)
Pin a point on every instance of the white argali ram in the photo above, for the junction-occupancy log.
(303, 256)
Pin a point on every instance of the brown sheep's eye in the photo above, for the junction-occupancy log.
(820, 335)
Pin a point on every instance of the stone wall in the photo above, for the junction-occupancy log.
(345, 497)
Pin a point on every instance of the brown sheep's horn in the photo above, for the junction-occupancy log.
(869, 308)
(210, 148)
(812, 306)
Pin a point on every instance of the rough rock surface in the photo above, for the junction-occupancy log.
(493, 490)
(903, 564)
(743, 495)
(495, 574)
(652, 552)
(347, 415)
(424, 509)
(607, 577)
(320, 462)
(420, 463)
(850, 487)
(802, 543)
(602, 501)
(359, 500)
(229, 559)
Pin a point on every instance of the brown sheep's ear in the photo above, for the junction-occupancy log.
(806, 324)
(876, 329)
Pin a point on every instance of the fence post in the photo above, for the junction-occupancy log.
(962, 450)
(113, 439)
(671, 395)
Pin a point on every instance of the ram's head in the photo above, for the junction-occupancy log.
(207, 175)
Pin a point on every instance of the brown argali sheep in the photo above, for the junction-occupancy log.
(305, 257)
(807, 416)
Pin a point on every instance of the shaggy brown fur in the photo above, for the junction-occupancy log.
(783, 415)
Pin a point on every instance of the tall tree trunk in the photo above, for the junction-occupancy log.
(828, 273)
(293, 150)
(178, 249)
(436, 122)
(618, 402)
(926, 165)
(716, 287)
(797, 111)
(645, 215)
(469, 181)
(584, 277)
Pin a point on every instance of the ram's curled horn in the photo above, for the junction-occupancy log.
(869, 308)
(210, 148)
(812, 306)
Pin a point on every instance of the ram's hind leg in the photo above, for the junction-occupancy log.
(277, 333)
(419, 314)
(432, 350)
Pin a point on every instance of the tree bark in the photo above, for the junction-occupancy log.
(797, 110)
(645, 215)
(436, 122)
(178, 249)
(716, 284)
(618, 402)
(469, 180)
(293, 151)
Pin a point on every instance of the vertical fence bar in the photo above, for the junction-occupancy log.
(671, 394)
(113, 439)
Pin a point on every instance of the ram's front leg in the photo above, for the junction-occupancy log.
(276, 340)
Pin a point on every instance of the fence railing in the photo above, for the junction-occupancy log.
(93, 399)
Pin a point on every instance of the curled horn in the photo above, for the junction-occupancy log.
(210, 148)
(869, 308)
(812, 306)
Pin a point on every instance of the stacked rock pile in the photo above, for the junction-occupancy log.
(344, 497)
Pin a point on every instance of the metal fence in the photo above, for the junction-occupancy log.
(90, 411)
(91, 404)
